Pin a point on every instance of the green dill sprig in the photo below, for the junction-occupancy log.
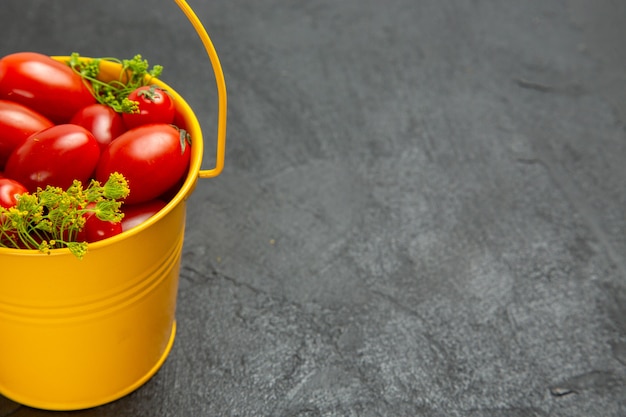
(51, 218)
(135, 73)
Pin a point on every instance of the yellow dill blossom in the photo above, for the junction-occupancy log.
(51, 218)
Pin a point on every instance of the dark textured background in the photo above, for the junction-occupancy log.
(422, 211)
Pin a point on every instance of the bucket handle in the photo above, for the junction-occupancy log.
(221, 90)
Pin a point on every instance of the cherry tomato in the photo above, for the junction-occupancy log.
(9, 189)
(55, 156)
(102, 121)
(173, 190)
(151, 157)
(96, 229)
(136, 214)
(155, 106)
(49, 87)
(17, 122)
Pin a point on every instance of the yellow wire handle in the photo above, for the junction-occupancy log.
(221, 90)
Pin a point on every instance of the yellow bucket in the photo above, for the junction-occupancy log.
(81, 333)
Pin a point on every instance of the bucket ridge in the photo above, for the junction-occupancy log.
(106, 304)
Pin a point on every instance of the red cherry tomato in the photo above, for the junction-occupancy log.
(155, 106)
(55, 156)
(17, 122)
(49, 87)
(136, 214)
(102, 121)
(9, 189)
(96, 229)
(151, 157)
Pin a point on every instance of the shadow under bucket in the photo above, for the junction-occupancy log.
(81, 333)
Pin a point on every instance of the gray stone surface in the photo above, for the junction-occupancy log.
(422, 211)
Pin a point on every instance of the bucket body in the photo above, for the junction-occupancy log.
(81, 333)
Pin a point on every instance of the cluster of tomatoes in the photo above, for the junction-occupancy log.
(53, 131)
